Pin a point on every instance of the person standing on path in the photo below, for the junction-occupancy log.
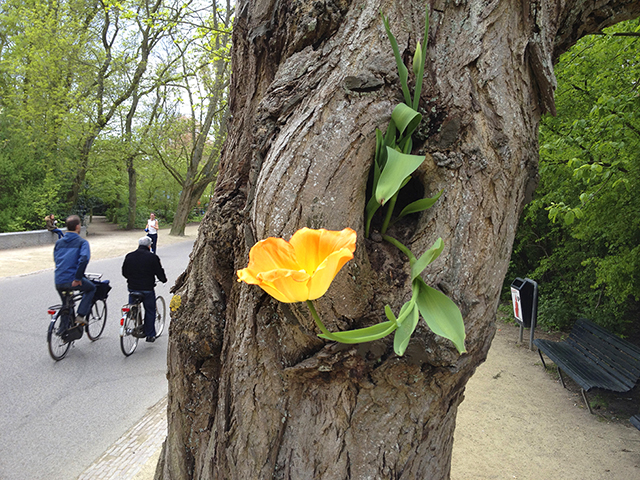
(50, 220)
(140, 268)
(71, 254)
(152, 231)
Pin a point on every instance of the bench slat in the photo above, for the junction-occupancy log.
(585, 373)
(622, 376)
(595, 358)
(617, 356)
(623, 345)
(635, 421)
(608, 353)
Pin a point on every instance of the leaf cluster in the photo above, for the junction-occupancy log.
(580, 236)
(392, 168)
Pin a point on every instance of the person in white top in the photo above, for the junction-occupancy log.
(152, 231)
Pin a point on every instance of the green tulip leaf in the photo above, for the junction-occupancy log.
(389, 313)
(403, 73)
(420, 205)
(406, 119)
(406, 328)
(427, 257)
(401, 247)
(420, 73)
(442, 315)
(381, 158)
(389, 138)
(381, 155)
(405, 144)
(405, 311)
(399, 166)
(404, 182)
(362, 335)
(370, 210)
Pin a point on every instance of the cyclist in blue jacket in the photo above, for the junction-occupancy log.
(71, 254)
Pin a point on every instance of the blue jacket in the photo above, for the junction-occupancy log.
(71, 254)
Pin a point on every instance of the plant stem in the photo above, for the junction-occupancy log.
(316, 318)
(387, 218)
(400, 247)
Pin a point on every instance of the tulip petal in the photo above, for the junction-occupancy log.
(312, 247)
(289, 270)
(286, 286)
(326, 272)
(247, 276)
(272, 254)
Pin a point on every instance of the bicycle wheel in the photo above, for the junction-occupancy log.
(161, 312)
(128, 342)
(58, 348)
(97, 319)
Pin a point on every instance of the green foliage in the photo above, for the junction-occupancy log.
(67, 99)
(391, 172)
(580, 236)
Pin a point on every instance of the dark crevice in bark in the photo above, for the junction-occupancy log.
(315, 23)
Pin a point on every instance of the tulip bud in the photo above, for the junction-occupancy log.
(417, 59)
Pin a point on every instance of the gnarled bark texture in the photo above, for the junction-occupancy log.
(253, 392)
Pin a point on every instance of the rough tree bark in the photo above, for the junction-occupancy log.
(253, 392)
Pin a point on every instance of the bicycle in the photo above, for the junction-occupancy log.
(63, 330)
(132, 322)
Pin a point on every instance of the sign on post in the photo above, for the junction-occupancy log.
(517, 304)
(524, 297)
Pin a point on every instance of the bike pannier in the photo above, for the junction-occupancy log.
(102, 290)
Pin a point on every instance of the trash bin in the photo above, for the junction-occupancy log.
(524, 296)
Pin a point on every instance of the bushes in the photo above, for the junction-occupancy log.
(580, 236)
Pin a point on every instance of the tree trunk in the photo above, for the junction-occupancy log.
(188, 199)
(133, 192)
(81, 173)
(253, 392)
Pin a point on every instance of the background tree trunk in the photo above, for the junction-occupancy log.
(253, 392)
(133, 192)
(188, 200)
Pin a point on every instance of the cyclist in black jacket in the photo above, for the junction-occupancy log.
(140, 268)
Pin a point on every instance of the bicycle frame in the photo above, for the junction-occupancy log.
(63, 329)
(69, 304)
(125, 309)
(71, 332)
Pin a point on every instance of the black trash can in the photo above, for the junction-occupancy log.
(524, 297)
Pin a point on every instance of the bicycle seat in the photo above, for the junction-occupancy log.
(137, 296)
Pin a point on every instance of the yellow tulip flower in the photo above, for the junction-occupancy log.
(302, 268)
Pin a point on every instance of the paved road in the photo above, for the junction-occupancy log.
(57, 417)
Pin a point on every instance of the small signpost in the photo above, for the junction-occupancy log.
(524, 297)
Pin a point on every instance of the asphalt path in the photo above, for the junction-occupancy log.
(57, 417)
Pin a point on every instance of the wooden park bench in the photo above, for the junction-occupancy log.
(635, 421)
(594, 358)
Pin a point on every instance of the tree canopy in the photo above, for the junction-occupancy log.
(87, 88)
(580, 236)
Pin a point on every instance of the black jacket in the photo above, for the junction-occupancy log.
(141, 267)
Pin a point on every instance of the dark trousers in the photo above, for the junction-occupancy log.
(88, 289)
(154, 241)
(58, 231)
(149, 302)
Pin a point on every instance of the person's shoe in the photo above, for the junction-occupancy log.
(80, 320)
(151, 339)
(138, 332)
